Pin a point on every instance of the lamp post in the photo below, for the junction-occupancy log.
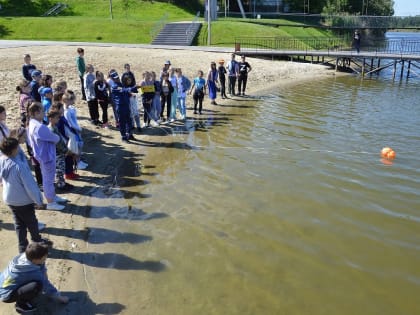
(110, 9)
(208, 23)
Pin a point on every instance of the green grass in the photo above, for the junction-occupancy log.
(90, 21)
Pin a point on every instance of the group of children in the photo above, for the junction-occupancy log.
(50, 130)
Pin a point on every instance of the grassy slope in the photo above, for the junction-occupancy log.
(89, 20)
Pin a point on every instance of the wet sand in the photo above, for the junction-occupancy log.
(109, 161)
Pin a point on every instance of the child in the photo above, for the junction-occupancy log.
(127, 82)
(46, 95)
(166, 95)
(24, 89)
(81, 68)
(121, 98)
(58, 91)
(4, 130)
(20, 135)
(156, 106)
(35, 84)
(60, 147)
(27, 67)
(90, 95)
(183, 84)
(110, 81)
(174, 98)
(26, 277)
(148, 93)
(70, 116)
(222, 77)
(102, 95)
(212, 78)
(199, 84)
(43, 142)
(20, 192)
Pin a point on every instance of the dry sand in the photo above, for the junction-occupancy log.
(104, 150)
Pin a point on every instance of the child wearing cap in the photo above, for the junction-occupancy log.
(121, 98)
(35, 84)
(222, 78)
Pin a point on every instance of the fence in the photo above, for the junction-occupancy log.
(395, 46)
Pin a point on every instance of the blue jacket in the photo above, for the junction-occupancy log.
(121, 96)
(21, 271)
(19, 186)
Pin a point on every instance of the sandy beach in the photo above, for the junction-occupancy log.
(107, 155)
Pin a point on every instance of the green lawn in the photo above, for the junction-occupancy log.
(133, 22)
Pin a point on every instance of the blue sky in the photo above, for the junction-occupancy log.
(407, 7)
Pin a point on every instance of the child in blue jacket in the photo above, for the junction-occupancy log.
(26, 277)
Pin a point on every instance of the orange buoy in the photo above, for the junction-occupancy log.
(388, 153)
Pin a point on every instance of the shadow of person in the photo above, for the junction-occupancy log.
(108, 260)
(80, 303)
(7, 226)
(96, 235)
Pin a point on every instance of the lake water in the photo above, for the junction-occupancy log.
(281, 205)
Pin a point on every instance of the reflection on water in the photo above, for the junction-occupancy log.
(279, 206)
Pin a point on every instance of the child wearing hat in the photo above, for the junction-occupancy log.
(35, 84)
(222, 78)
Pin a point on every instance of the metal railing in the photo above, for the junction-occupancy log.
(287, 43)
(391, 46)
(191, 31)
(158, 25)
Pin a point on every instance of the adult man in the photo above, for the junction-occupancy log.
(233, 71)
(244, 69)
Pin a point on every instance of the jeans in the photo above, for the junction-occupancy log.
(25, 219)
(232, 83)
(25, 293)
(181, 106)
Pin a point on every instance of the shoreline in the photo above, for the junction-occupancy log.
(69, 229)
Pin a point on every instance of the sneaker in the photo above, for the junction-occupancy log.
(65, 188)
(153, 123)
(82, 165)
(131, 137)
(60, 199)
(106, 126)
(200, 113)
(54, 206)
(71, 176)
(171, 120)
(41, 226)
(24, 307)
(195, 112)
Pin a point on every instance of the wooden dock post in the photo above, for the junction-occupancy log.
(402, 69)
(363, 67)
(408, 68)
(395, 69)
(379, 64)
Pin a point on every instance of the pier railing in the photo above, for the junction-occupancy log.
(396, 46)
